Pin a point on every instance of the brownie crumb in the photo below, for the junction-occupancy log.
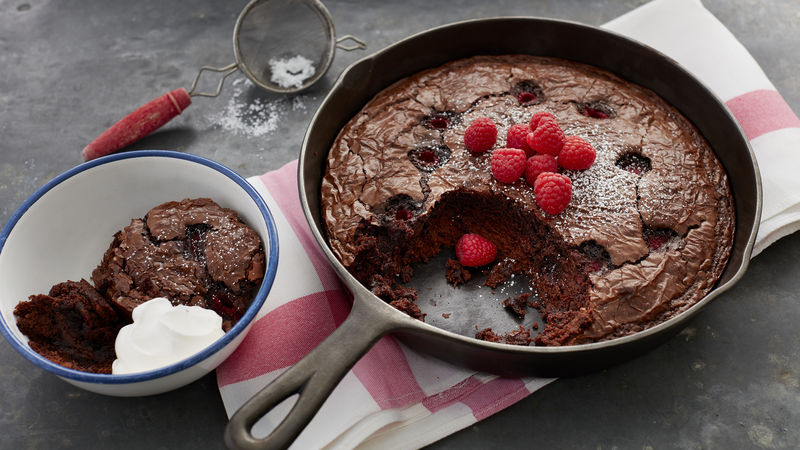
(446, 315)
(561, 324)
(387, 291)
(488, 335)
(520, 336)
(456, 273)
(499, 274)
(517, 304)
(408, 307)
(535, 326)
(401, 298)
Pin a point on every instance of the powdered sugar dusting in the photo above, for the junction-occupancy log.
(291, 72)
(255, 117)
(602, 192)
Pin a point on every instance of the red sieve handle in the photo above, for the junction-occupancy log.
(138, 124)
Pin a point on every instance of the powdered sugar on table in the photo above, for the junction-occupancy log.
(255, 117)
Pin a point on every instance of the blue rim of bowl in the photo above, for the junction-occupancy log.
(252, 310)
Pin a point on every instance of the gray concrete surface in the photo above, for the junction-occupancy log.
(70, 68)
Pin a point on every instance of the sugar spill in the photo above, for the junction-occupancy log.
(256, 117)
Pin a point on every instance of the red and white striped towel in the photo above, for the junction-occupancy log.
(395, 397)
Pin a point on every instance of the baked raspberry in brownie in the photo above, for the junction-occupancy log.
(647, 230)
(193, 252)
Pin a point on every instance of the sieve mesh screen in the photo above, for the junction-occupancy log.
(284, 43)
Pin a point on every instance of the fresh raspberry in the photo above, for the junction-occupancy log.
(480, 135)
(537, 116)
(553, 192)
(517, 137)
(473, 250)
(547, 137)
(576, 154)
(508, 164)
(537, 164)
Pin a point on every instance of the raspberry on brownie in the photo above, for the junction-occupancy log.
(576, 154)
(508, 164)
(538, 116)
(553, 192)
(517, 137)
(481, 135)
(548, 137)
(537, 164)
(473, 250)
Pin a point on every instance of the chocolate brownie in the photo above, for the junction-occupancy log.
(519, 336)
(73, 326)
(193, 252)
(647, 233)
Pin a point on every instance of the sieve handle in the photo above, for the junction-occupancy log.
(138, 124)
(312, 379)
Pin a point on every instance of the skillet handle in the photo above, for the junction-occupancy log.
(314, 377)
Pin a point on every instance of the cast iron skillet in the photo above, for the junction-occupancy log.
(316, 375)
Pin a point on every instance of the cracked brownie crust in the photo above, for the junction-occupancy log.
(193, 252)
(648, 231)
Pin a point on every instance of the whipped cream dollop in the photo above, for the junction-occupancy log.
(162, 334)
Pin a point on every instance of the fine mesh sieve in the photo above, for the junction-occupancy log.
(284, 46)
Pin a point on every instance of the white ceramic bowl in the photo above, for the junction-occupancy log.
(61, 232)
